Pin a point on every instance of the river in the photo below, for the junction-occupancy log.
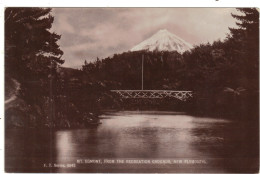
(137, 141)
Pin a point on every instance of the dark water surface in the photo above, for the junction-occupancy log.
(211, 145)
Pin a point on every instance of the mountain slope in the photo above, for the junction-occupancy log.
(163, 40)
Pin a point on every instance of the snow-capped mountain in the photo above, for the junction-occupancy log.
(163, 40)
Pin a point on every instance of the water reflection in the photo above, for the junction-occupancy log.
(140, 135)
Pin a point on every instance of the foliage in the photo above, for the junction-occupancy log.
(245, 42)
(124, 71)
(32, 55)
(29, 45)
(231, 64)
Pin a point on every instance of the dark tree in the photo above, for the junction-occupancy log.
(31, 48)
(245, 42)
(32, 56)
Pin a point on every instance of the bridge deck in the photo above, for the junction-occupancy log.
(181, 95)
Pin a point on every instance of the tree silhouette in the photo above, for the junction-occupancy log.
(32, 56)
(245, 43)
(29, 45)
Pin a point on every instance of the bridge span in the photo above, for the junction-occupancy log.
(181, 95)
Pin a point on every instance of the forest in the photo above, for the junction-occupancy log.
(224, 75)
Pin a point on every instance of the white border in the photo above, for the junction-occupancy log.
(96, 3)
(131, 3)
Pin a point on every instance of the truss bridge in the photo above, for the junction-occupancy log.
(142, 94)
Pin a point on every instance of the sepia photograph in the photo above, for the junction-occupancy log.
(131, 90)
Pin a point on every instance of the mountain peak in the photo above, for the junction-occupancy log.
(163, 40)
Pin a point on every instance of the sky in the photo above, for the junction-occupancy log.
(88, 33)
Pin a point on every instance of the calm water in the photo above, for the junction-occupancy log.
(218, 145)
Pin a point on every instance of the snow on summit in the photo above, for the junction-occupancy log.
(163, 40)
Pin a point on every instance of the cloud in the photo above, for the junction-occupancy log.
(88, 33)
